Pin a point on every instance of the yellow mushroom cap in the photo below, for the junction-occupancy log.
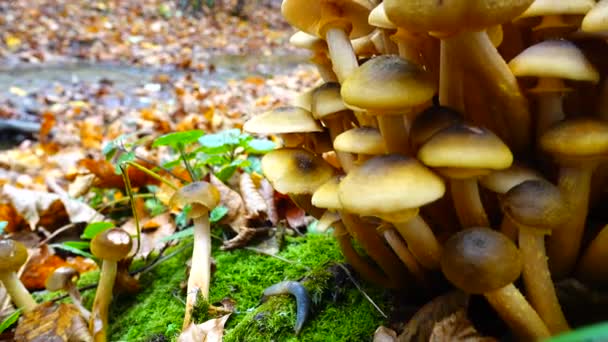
(307, 41)
(474, 150)
(13, 255)
(112, 244)
(541, 8)
(326, 196)
(431, 121)
(502, 181)
(202, 196)
(308, 16)
(281, 120)
(326, 100)
(576, 140)
(389, 184)
(554, 58)
(378, 18)
(452, 15)
(360, 140)
(295, 171)
(596, 20)
(388, 84)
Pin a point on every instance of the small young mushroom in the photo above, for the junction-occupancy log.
(202, 197)
(554, 18)
(483, 261)
(578, 146)
(13, 255)
(64, 278)
(537, 207)
(110, 246)
(364, 141)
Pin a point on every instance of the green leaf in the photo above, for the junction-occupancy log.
(214, 160)
(592, 333)
(3, 225)
(259, 146)
(226, 171)
(255, 165)
(173, 163)
(218, 213)
(179, 235)
(72, 250)
(10, 320)
(82, 245)
(154, 206)
(181, 220)
(221, 142)
(123, 159)
(95, 228)
(172, 139)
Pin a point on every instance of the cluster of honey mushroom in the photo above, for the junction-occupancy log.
(454, 137)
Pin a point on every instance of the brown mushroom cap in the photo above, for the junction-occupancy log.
(295, 171)
(288, 119)
(452, 15)
(389, 184)
(361, 140)
(536, 204)
(326, 100)
(431, 121)
(596, 20)
(572, 141)
(556, 59)
(326, 196)
(201, 195)
(61, 278)
(462, 151)
(308, 16)
(13, 255)
(388, 84)
(112, 244)
(502, 181)
(479, 260)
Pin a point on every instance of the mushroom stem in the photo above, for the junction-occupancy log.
(592, 266)
(508, 228)
(335, 127)
(513, 308)
(341, 52)
(200, 272)
(361, 266)
(564, 243)
(376, 248)
(550, 109)
(450, 78)
(400, 248)
(478, 53)
(98, 321)
(537, 279)
(395, 133)
(17, 291)
(467, 203)
(76, 300)
(323, 64)
(421, 241)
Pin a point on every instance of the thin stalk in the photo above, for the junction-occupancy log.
(182, 153)
(152, 174)
(129, 191)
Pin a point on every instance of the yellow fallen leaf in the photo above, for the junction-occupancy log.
(210, 331)
(12, 42)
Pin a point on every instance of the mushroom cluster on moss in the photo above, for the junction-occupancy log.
(489, 112)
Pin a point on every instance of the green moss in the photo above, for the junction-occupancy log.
(242, 275)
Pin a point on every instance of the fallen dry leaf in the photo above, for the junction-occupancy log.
(31, 204)
(254, 202)
(457, 328)
(267, 192)
(53, 322)
(108, 179)
(420, 326)
(158, 227)
(384, 334)
(41, 264)
(15, 221)
(210, 331)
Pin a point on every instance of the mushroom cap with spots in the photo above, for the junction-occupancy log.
(575, 141)
(282, 120)
(112, 244)
(308, 16)
(596, 20)
(360, 140)
(479, 260)
(536, 204)
(202, 196)
(295, 171)
(462, 151)
(388, 84)
(554, 59)
(13, 255)
(452, 15)
(388, 185)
